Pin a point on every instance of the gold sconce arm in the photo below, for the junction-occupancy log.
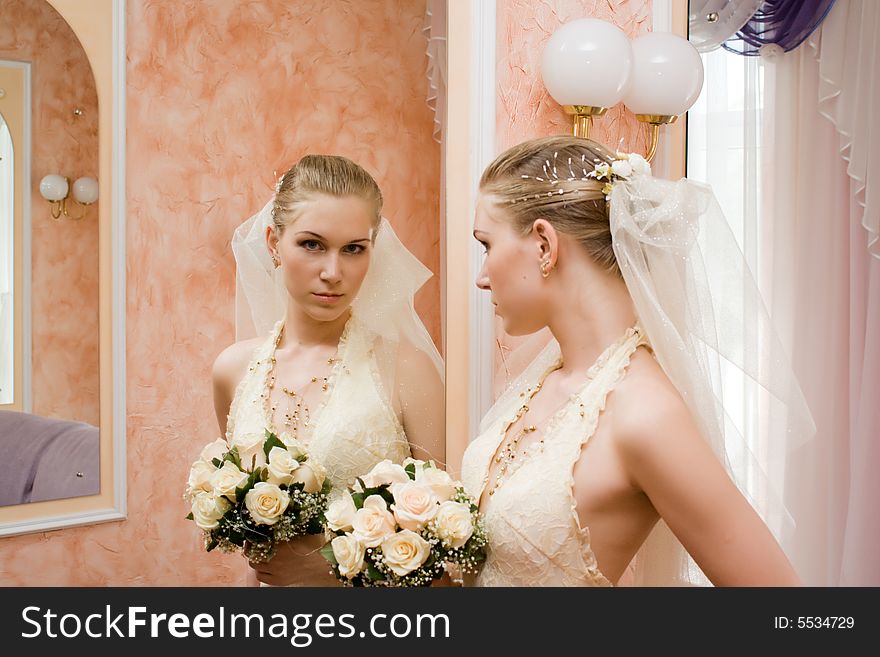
(582, 118)
(655, 121)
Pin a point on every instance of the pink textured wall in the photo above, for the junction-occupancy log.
(221, 94)
(525, 110)
(64, 252)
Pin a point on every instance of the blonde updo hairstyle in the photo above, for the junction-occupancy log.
(523, 181)
(332, 175)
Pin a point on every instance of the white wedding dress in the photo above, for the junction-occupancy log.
(535, 537)
(356, 426)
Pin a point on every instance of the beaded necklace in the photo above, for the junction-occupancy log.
(297, 415)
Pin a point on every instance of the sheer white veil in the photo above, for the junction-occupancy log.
(384, 304)
(710, 331)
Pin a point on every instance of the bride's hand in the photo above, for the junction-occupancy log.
(296, 562)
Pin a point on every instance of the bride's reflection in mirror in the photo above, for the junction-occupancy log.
(347, 371)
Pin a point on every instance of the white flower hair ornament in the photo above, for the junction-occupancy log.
(624, 167)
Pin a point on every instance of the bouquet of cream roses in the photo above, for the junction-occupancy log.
(401, 525)
(260, 491)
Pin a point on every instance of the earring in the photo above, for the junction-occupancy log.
(545, 268)
(276, 261)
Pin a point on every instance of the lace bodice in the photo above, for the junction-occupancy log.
(354, 428)
(535, 537)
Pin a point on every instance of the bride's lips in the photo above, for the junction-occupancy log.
(327, 297)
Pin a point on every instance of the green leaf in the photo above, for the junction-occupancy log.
(212, 543)
(315, 525)
(373, 573)
(233, 455)
(271, 441)
(327, 553)
(327, 487)
(252, 479)
(256, 536)
(411, 470)
(358, 500)
(218, 463)
(189, 516)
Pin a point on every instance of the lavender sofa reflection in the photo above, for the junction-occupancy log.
(45, 458)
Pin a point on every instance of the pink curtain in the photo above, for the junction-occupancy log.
(817, 252)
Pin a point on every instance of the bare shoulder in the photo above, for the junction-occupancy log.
(649, 414)
(232, 363)
(412, 360)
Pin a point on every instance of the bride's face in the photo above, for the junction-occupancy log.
(325, 254)
(511, 269)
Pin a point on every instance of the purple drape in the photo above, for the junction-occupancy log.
(785, 23)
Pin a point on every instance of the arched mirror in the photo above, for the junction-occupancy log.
(61, 281)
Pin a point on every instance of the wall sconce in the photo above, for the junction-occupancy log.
(56, 190)
(588, 65)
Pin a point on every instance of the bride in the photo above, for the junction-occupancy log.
(342, 365)
(615, 433)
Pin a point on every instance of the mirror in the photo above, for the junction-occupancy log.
(53, 439)
(61, 418)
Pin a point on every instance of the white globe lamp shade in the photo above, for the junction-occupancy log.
(667, 75)
(85, 190)
(53, 187)
(587, 62)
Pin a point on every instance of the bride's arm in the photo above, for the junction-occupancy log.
(666, 457)
(421, 397)
(229, 368)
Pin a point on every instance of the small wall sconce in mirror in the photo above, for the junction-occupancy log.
(56, 189)
(589, 65)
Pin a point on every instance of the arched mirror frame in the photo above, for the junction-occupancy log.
(100, 27)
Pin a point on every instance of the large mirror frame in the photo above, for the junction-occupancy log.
(100, 27)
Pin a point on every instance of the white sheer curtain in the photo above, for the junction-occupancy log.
(7, 283)
(725, 150)
(826, 284)
(789, 145)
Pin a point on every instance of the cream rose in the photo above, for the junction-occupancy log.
(207, 509)
(214, 450)
(414, 505)
(296, 448)
(454, 523)
(349, 555)
(266, 502)
(250, 449)
(373, 522)
(281, 466)
(621, 168)
(311, 475)
(340, 513)
(405, 551)
(439, 481)
(385, 472)
(640, 165)
(227, 479)
(200, 478)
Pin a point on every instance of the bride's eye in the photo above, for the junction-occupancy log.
(310, 245)
(354, 249)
